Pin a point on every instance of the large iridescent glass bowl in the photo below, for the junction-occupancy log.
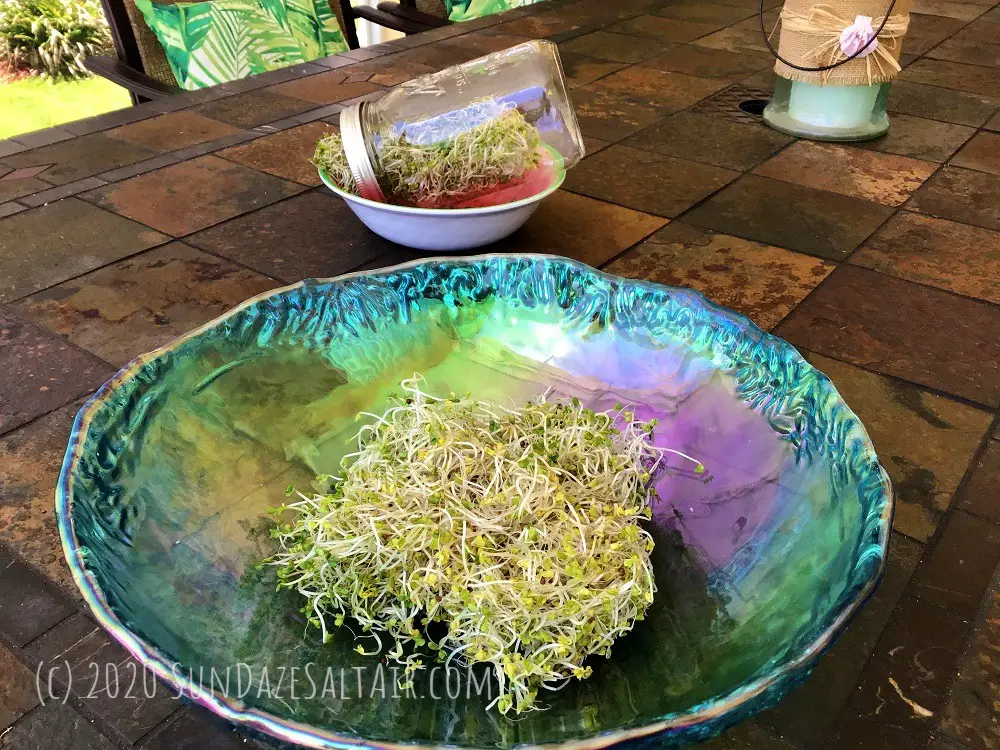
(173, 465)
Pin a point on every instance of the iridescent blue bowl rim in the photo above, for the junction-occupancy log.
(740, 701)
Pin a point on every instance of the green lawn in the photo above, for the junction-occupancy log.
(33, 103)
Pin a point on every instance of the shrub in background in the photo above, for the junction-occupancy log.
(52, 37)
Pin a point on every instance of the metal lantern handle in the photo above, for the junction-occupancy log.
(821, 68)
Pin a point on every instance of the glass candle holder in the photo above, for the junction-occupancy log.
(828, 113)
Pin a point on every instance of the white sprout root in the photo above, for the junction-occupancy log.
(516, 529)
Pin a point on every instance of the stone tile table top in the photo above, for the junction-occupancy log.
(879, 261)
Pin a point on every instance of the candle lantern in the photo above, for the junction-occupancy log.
(834, 64)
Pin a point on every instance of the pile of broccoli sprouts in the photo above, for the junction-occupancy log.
(517, 529)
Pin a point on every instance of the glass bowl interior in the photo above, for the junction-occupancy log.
(174, 464)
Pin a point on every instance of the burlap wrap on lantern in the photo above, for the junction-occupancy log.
(810, 37)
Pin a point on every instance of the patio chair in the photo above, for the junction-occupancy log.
(141, 66)
(437, 12)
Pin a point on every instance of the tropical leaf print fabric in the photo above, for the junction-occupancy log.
(466, 10)
(213, 42)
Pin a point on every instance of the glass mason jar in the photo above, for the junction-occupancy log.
(443, 139)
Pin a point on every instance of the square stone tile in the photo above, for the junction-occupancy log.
(937, 103)
(666, 29)
(882, 178)
(944, 742)
(957, 257)
(593, 145)
(667, 92)
(41, 371)
(172, 131)
(55, 725)
(925, 441)
(18, 694)
(920, 138)
(962, 195)
(611, 116)
(793, 216)
(30, 460)
(970, 714)
(748, 735)
(582, 228)
(10, 208)
(895, 327)
(8, 147)
(740, 39)
(952, 75)
(192, 195)
(967, 51)
(21, 174)
(285, 154)
(541, 26)
(903, 687)
(615, 47)
(253, 108)
(702, 12)
(956, 574)
(926, 31)
(195, 728)
(703, 62)
(661, 185)
(78, 635)
(978, 495)
(760, 281)
(387, 72)
(762, 79)
(485, 41)
(44, 137)
(29, 605)
(994, 123)
(982, 153)
(80, 157)
(986, 28)
(581, 70)
(806, 715)
(131, 710)
(439, 56)
(753, 5)
(712, 140)
(141, 303)
(326, 88)
(96, 663)
(86, 238)
(948, 9)
(11, 189)
(314, 235)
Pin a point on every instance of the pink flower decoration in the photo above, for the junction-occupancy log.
(857, 35)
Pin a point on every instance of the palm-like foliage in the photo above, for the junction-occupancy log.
(466, 10)
(224, 40)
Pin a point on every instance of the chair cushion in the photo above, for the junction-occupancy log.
(208, 43)
(466, 10)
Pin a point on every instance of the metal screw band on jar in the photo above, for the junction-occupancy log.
(356, 151)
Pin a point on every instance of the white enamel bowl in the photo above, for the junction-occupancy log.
(444, 230)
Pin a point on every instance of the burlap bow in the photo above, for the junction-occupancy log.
(810, 37)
